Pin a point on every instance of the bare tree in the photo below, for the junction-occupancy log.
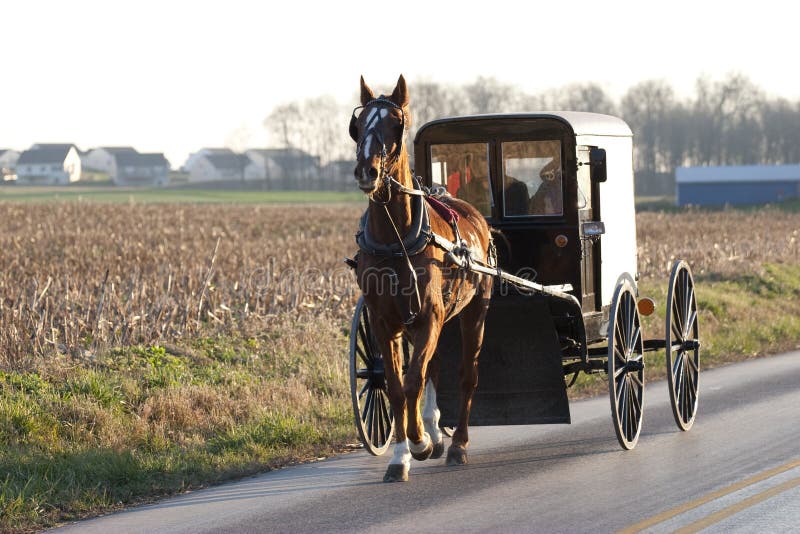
(646, 107)
(586, 97)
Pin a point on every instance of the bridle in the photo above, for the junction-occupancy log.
(372, 130)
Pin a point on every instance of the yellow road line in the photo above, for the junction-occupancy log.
(716, 517)
(663, 516)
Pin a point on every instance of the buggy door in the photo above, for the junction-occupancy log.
(588, 211)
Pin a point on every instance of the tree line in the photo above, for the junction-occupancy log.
(731, 121)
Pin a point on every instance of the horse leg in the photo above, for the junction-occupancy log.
(399, 465)
(431, 413)
(420, 443)
(471, 320)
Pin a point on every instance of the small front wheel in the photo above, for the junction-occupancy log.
(371, 408)
(625, 365)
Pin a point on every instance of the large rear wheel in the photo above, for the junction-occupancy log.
(625, 364)
(682, 345)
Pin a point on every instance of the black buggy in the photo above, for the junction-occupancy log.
(558, 189)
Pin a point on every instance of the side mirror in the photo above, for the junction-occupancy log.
(597, 164)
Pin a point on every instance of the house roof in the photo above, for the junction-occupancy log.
(225, 161)
(45, 154)
(742, 173)
(116, 149)
(135, 159)
(64, 146)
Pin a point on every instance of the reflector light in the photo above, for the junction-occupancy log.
(646, 306)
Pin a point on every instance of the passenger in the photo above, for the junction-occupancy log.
(477, 193)
(516, 197)
(548, 198)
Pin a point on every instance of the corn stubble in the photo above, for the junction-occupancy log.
(79, 278)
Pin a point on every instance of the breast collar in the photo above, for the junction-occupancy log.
(415, 241)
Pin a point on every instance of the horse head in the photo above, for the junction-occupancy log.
(378, 127)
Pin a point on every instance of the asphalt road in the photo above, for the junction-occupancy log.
(738, 469)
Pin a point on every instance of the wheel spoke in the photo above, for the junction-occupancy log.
(367, 385)
(620, 382)
(686, 301)
(692, 364)
(366, 344)
(637, 333)
(676, 312)
(633, 421)
(365, 411)
(618, 371)
(690, 324)
(677, 379)
(687, 392)
(677, 362)
(635, 378)
(618, 334)
(676, 331)
(378, 433)
(364, 358)
(629, 323)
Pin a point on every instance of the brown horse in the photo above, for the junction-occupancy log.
(409, 287)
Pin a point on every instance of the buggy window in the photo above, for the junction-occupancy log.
(532, 178)
(464, 170)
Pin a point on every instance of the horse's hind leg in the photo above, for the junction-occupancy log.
(471, 321)
(430, 415)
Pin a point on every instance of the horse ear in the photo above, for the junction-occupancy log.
(400, 94)
(366, 92)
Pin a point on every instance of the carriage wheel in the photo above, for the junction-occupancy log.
(373, 414)
(625, 365)
(683, 345)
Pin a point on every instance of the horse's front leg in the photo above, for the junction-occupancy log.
(399, 465)
(425, 339)
(472, 321)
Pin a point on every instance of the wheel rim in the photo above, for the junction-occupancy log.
(682, 346)
(626, 367)
(373, 414)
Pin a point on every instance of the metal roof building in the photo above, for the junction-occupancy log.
(746, 184)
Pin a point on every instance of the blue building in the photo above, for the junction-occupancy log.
(746, 184)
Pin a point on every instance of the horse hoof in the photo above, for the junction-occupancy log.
(396, 473)
(424, 454)
(456, 455)
(438, 450)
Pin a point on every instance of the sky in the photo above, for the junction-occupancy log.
(175, 76)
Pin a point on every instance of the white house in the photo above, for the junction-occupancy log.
(133, 168)
(102, 158)
(8, 162)
(50, 164)
(195, 156)
(286, 168)
(262, 166)
(218, 167)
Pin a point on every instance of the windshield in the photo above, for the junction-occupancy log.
(463, 169)
(532, 178)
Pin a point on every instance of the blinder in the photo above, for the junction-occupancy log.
(380, 101)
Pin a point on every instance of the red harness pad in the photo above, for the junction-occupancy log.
(445, 212)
